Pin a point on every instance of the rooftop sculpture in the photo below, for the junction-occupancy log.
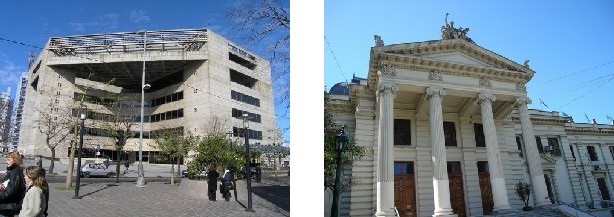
(450, 32)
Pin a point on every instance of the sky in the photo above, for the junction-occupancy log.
(33, 23)
(569, 43)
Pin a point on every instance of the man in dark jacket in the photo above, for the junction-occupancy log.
(12, 186)
(212, 174)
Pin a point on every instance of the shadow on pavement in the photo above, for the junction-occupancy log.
(278, 195)
(96, 191)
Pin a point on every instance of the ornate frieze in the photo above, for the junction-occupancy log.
(484, 82)
(435, 75)
(387, 69)
(521, 86)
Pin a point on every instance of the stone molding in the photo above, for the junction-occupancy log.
(484, 82)
(386, 69)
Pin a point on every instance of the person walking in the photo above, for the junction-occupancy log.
(212, 174)
(35, 201)
(226, 185)
(39, 161)
(127, 165)
(12, 186)
(106, 163)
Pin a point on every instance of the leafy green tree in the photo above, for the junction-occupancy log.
(353, 153)
(176, 146)
(215, 149)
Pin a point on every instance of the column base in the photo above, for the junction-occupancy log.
(451, 214)
(382, 213)
(499, 194)
(443, 207)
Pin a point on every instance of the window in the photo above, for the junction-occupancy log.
(611, 151)
(483, 167)
(449, 132)
(592, 153)
(402, 132)
(540, 148)
(519, 144)
(480, 140)
(403, 168)
(554, 144)
(574, 155)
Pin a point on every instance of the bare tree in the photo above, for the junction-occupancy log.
(54, 123)
(216, 125)
(120, 122)
(267, 22)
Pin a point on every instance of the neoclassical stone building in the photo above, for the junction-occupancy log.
(194, 75)
(448, 132)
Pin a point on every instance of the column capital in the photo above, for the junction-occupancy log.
(523, 100)
(387, 87)
(435, 90)
(486, 96)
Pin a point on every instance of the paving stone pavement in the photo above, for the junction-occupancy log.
(157, 199)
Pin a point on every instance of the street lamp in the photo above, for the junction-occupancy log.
(81, 130)
(140, 182)
(340, 147)
(247, 157)
(230, 139)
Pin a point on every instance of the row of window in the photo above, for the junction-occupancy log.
(146, 134)
(236, 113)
(167, 99)
(169, 115)
(244, 98)
(111, 102)
(252, 134)
(454, 167)
(402, 132)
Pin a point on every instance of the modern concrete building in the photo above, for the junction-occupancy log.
(6, 104)
(199, 82)
(448, 133)
(20, 100)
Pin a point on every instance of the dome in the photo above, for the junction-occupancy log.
(340, 88)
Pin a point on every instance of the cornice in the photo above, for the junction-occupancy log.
(543, 120)
(589, 131)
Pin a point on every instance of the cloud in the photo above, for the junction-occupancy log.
(102, 23)
(139, 16)
(9, 73)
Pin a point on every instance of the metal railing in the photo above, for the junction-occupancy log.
(182, 39)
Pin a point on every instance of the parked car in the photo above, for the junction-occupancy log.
(96, 169)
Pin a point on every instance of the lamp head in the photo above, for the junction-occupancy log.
(146, 86)
(82, 116)
(342, 140)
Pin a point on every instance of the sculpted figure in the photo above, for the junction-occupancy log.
(526, 63)
(378, 40)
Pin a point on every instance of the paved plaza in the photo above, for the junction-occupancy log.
(104, 197)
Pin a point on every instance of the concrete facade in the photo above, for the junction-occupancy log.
(195, 76)
(465, 87)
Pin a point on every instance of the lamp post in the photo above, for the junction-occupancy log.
(140, 182)
(340, 148)
(249, 169)
(81, 130)
(230, 139)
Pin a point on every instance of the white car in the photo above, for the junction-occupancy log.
(96, 169)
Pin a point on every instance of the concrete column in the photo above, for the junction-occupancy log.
(497, 179)
(385, 150)
(538, 183)
(441, 184)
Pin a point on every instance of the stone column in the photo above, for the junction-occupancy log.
(385, 149)
(538, 183)
(441, 184)
(497, 179)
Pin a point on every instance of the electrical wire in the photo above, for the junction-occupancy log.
(335, 57)
(571, 74)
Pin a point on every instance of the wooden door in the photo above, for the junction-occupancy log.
(404, 189)
(485, 188)
(457, 195)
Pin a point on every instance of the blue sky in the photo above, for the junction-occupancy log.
(569, 43)
(34, 23)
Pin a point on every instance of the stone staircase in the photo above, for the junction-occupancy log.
(549, 211)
